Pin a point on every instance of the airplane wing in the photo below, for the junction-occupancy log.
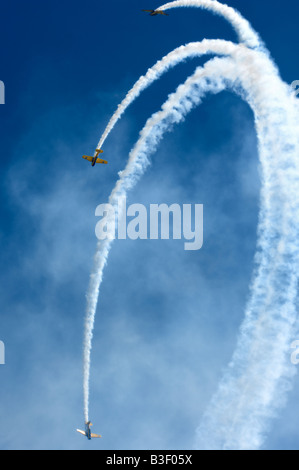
(87, 157)
(149, 11)
(81, 432)
(94, 436)
(90, 159)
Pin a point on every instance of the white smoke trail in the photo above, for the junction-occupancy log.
(275, 116)
(154, 73)
(134, 169)
(178, 55)
(259, 374)
(254, 386)
(243, 29)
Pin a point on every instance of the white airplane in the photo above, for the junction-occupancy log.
(87, 433)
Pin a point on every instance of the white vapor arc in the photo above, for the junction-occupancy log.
(243, 29)
(197, 49)
(135, 167)
(274, 117)
(255, 383)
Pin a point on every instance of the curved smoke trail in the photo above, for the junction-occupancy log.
(255, 382)
(127, 179)
(254, 385)
(242, 27)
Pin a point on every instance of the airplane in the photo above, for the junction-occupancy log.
(95, 159)
(87, 433)
(156, 12)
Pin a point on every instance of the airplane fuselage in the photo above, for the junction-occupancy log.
(88, 431)
(156, 12)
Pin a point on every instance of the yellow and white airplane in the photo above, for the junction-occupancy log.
(87, 433)
(156, 12)
(95, 159)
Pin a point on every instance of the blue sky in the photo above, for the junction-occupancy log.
(168, 319)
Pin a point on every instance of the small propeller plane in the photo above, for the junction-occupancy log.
(156, 12)
(95, 159)
(87, 433)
